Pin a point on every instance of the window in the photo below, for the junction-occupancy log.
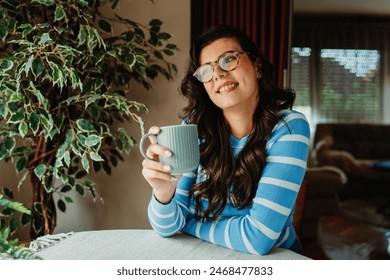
(337, 85)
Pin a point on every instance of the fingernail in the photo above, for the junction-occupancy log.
(155, 130)
(167, 153)
(166, 167)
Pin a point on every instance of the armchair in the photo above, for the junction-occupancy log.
(321, 197)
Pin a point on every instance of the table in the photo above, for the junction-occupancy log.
(147, 245)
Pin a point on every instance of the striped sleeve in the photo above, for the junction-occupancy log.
(168, 219)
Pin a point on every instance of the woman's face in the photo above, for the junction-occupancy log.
(236, 90)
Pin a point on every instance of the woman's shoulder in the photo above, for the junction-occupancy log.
(291, 114)
(293, 122)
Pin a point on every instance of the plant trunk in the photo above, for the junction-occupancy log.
(43, 210)
(43, 214)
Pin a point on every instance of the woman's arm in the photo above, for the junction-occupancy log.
(168, 219)
(267, 223)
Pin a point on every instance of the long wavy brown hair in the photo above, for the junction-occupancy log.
(221, 169)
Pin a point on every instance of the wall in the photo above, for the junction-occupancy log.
(125, 194)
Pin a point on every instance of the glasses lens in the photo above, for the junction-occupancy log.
(228, 62)
(204, 73)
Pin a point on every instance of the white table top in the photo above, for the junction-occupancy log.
(147, 245)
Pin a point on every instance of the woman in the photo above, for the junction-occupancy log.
(253, 151)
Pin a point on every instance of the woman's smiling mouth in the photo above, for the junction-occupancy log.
(227, 88)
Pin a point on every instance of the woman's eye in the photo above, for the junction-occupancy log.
(229, 59)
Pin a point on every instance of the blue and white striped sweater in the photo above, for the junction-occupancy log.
(267, 222)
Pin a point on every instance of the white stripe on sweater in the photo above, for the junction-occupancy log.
(272, 205)
(287, 160)
(285, 237)
(247, 244)
(288, 118)
(189, 175)
(263, 228)
(280, 183)
(165, 233)
(295, 138)
(211, 233)
(226, 234)
(197, 231)
(163, 226)
(290, 138)
(182, 192)
(163, 216)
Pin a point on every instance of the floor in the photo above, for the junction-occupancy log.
(359, 232)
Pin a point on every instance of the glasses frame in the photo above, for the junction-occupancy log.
(217, 62)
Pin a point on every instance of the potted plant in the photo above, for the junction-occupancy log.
(65, 77)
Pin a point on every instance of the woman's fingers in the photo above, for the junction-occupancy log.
(156, 150)
(154, 130)
(155, 170)
(151, 164)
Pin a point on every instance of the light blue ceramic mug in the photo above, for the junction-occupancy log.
(182, 141)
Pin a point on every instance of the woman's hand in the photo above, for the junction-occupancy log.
(156, 173)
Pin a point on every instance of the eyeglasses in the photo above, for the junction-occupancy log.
(227, 61)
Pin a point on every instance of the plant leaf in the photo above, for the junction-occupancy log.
(3, 111)
(25, 219)
(92, 140)
(34, 122)
(96, 157)
(85, 125)
(59, 13)
(8, 193)
(155, 22)
(105, 26)
(37, 67)
(80, 189)
(82, 35)
(21, 164)
(40, 170)
(85, 162)
(3, 32)
(10, 143)
(6, 64)
(23, 128)
(44, 2)
(141, 59)
(17, 206)
(44, 38)
(61, 205)
(67, 158)
(3, 151)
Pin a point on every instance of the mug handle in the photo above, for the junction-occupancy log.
(141, 144)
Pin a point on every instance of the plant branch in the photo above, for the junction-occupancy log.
(42, 156)
(37, 149)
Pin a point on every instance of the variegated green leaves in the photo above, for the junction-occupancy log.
(64, 77)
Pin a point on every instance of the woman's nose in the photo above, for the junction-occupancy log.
(218, 72)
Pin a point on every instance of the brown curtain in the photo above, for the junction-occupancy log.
(267, 22)
(342, 32)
